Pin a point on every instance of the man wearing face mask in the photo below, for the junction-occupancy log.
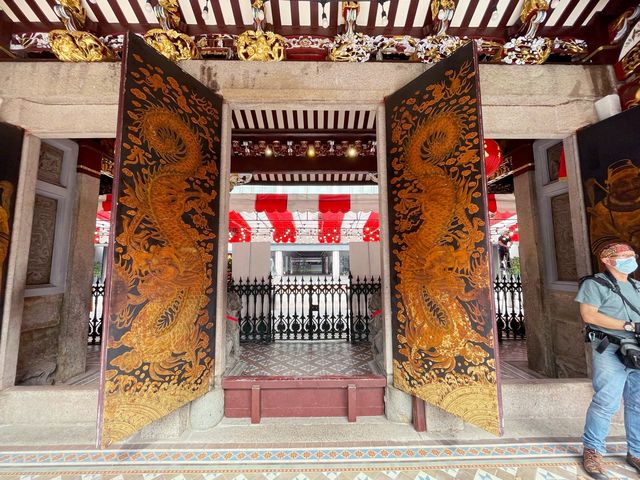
(610, 306)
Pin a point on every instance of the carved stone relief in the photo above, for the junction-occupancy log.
(50, 164)
(563, 238)
(42, 240)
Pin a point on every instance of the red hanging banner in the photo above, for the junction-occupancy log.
(275, 207)
(239, 229)
(371, 230)
(331, 214)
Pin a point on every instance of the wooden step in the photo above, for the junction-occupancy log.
(330, 396)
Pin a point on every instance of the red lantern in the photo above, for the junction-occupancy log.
(492, 156)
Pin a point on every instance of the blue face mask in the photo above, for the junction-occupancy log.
(626, 265)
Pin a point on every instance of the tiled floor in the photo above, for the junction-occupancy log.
(305, 359)
(548, 461)
(513, 361)
(566, 470)
(322, 358)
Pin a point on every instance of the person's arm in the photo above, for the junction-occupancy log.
(591, 315)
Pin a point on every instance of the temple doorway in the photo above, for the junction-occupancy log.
(304, 267)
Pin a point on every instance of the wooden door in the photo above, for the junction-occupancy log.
(160, 332)
(444, 342)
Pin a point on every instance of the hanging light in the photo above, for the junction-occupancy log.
(205, 10)
(352, 152)
(325, 17)
(148, 7)
(383, 14)
(311, 151)
(494, 15)
(268, 152)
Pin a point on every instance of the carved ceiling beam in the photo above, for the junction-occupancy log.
(257, 45)
(442, 12)
(254, 135)
(351, 46)
(169, 40)
(611, 39)
(285, 164)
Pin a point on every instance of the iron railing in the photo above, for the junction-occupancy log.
(304, 308)
(96, 315)
(294, 309)
(509, 310)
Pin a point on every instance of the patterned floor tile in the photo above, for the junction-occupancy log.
(321, 358)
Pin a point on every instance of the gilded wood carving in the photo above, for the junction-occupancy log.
(161, 332)
(444, 347)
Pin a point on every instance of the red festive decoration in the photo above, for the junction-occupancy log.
(513, 233)
(332, 209)
(492, 156)
(372, 228)
(106, 205)
(492, 205)
(275, 207)
(239, 229)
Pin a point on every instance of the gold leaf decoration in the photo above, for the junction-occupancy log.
(79, 47)
(171, 44)
(260, 46)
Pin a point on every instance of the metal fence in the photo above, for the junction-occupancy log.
(509, 309)
(96, 315)
(304, 308)
(321, 308)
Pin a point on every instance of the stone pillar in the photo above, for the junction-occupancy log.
(385, 247)
(335, 264)
(578, 222)
(17, 266)
(223, 241)
(539, 327)
(74, 325)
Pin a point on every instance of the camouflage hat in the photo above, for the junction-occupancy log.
(613, 249)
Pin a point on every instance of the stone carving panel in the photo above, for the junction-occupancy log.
(42, 240)
(50, 164)
(563, 238)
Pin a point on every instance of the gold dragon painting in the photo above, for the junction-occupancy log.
(441, 298)
(162, 299)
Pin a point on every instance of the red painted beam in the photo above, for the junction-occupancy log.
(363, 163)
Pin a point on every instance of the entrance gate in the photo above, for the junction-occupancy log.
(164, 255)
(305, 308)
